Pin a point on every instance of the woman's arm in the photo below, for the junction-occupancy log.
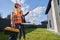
(26, 13)
(11, 18)
(12, 12)
(12, 24)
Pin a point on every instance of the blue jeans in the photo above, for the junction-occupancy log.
(22, 32)
(14, 37)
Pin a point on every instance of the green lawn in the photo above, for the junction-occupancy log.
(35, 34)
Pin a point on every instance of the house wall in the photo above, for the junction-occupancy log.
(50, 17)
(59, 17)
(57, 11)
(54, 16)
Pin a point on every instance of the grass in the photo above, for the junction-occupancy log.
(35, 34)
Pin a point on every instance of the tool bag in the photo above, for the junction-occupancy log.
(10, 30)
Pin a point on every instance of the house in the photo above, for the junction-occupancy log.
(53, 15)
(44, 24)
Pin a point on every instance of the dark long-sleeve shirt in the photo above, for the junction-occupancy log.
(23, 17)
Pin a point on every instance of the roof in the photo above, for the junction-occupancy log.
(44, 21)
(48, 7)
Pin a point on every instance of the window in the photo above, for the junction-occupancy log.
(50, 23)
(59, 14)
(58, 1)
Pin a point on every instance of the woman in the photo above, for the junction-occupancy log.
(16, 20)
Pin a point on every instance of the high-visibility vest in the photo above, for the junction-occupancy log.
(17, 17)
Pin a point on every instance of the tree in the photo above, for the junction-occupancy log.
(8, 17)
(0, 15)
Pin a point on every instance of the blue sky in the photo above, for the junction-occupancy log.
(33, 5)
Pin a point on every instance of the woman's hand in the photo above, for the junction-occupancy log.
(12, 25)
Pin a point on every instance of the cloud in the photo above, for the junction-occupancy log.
(25, 7)
(38, 10)
(35, 14)
(14, 1)
(18, 1)
(22, 1)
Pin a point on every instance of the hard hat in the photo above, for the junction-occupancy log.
(17, 4)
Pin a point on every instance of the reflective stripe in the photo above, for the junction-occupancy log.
(17, 17)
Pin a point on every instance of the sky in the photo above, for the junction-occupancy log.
(37, 9)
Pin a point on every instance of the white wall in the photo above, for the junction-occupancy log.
(59, 12)
(54, 16)
(50, 17)
(59, 17)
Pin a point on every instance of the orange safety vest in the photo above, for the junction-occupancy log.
(17, 17)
